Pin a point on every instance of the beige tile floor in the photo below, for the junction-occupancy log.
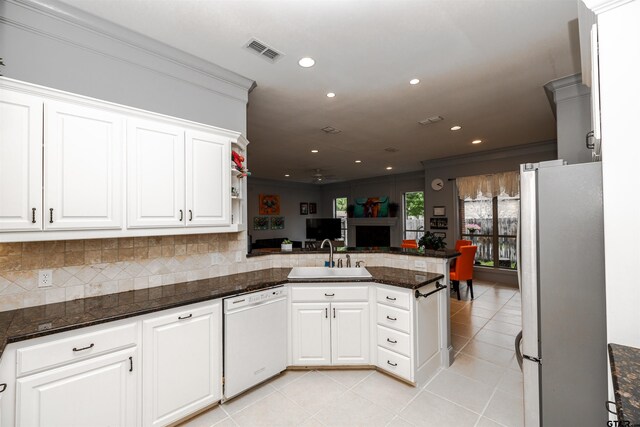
(482, 388)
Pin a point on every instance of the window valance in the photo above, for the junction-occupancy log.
(472, 187)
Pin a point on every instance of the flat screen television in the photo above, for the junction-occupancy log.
(323, 228)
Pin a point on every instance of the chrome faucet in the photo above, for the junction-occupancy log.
(339, 262)
(348, 261)
(330, 251)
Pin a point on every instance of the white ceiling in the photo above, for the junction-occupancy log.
(482, 65)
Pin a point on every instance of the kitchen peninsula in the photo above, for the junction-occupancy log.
(111, 332)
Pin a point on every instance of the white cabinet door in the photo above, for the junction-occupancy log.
(208, 179)
(311, 334)
(20, 162)
(95, 392)
(350, 333)
(182, 363)
(155, 163)
(83, 167)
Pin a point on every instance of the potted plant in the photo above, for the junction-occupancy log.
(286, 245)
(350, 210)
(393, 209)
(431, 241)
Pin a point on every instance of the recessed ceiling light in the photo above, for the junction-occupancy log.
(358, 161)
(306, 62)
(314, 151)
(414, 81)
(331, 95)
(456, 127)
(477, 141)
(286, 174)
(389, 168)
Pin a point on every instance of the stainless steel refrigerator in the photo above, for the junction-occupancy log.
(562, 284)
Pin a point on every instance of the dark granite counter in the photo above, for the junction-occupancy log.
(33, 322)
(625, 372)
(444, 253)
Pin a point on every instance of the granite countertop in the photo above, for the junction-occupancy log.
(625, 372)
(33, 322)
(444, 253)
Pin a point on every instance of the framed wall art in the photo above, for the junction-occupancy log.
(269, 204)
(260, 222)
(304, 208)
(313, 208)
(439, 223)
(439, 211)
(277, 222)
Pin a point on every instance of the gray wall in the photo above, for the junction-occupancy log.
(393, 186)
(54, 45)
(573, 115)
(291, 195)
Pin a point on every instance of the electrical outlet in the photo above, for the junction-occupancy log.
(45, 278)
(420, 264)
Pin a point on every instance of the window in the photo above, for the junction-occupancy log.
(491, 221)
(340, 211)
(413, 215)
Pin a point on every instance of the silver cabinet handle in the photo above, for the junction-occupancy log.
(329, 295)
(181, 215)
(391, 318)
(326, 313)
(3, 387)
(392, 341)
(33, 215)
(391, 299)
(190, 215)
(185, 317)
(392, 364)
(51, 216)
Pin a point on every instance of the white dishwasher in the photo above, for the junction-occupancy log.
(255, 338)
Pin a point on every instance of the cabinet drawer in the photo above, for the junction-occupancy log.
(330, 293)
(395, 363)
(78, 347)
(394, 318)
(394, 340)
(394, 298)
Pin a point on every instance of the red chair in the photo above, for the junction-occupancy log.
(409, 244)
(461, 243)
(463, 270)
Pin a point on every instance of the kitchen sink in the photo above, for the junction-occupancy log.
(329, 273)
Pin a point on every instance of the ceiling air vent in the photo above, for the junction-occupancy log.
(330, 129)
(430, 120)
(265, 52)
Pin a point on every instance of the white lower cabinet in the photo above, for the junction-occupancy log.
(350, 333)
(311, 334)
(330, 332)
(182, 363)
(100, 391)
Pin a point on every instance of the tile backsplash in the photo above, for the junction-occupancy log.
(93, 267)
(85, 268)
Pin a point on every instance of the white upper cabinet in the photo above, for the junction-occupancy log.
(156, 180)
(83, 167)
(20, 162)
(208, 179)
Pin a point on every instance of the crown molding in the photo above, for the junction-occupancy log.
(566, 88)
(601, 6)
(72, 26)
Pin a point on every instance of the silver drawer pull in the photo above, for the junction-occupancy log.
(84, 348)
(391, 318)
(3, 387)
(391, 299)
(329, 295)
(392, 364)
(392, 341)
(185, 317)
(238, 301)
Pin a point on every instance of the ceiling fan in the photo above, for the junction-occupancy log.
(320, 178)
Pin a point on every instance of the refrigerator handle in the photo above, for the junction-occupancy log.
(518, 349)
